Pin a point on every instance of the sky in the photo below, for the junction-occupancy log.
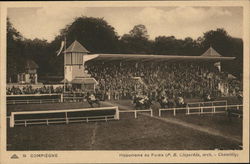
(181, 22)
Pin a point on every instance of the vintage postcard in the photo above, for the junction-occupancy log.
(125, 82)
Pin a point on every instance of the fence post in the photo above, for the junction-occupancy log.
(214, 108)
(47, 122)
(188, 110)
(174, 112)
(201, 110)
(25, 124)
(135, 114)
(117, 116)
(12, 120)
(226, 105)
(151, 112)
(160, 112)
(66, 116)
(61, 97)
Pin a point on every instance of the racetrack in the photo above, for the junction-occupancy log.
(182, 132)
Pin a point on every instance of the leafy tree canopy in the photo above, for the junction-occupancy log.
(96, 35)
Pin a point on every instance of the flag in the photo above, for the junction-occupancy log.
(61, 48)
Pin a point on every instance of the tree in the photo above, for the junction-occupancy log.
(38, 51)
(226, 46)
(15, 57)
(139, 31)
(98, 36)
(166, 45)
(93, 33)
(218, 39)
(20, 49)
(136, 41)
(190, 47)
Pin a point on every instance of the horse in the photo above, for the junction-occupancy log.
(92, 99)
(164, 102)
(142, 102)
(180, 102)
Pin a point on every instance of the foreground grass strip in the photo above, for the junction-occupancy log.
(186, 124)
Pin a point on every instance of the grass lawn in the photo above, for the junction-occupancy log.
(143, 133)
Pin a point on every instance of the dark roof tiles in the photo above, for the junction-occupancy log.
(76, 47)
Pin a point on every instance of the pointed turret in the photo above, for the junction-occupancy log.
(211, 53)
(76, 47)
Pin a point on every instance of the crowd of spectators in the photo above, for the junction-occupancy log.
(119, 80)
(192, 80)
(116, 80)
(28, 89)
(235, 87)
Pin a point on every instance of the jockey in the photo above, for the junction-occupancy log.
(142, 99)
(164, 99)
(181, 102)
(135, 97)
(145, 97)
(208, 97)
(92, 97)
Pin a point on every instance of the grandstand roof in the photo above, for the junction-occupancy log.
(145, 57)
(76, 47)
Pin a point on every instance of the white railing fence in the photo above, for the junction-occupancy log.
(73, 99)
(200, 110)
(27, 99)
(33, 101)
(137, 111)
(65, 116)
(207, 103)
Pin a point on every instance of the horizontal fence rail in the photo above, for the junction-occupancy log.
(73, 99)
(33, 101)
(28, 95)
(66, 116)
(205, 103)
(213, 109)
(137, 111)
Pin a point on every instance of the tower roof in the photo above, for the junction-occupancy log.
(76, 47)
(211, 53)
(30, 64)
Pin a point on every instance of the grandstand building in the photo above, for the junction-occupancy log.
(29, 76)
(122, 74)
